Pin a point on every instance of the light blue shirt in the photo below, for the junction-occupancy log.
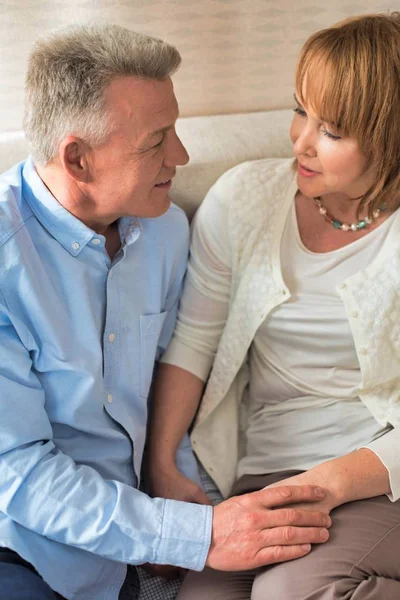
(79, 335)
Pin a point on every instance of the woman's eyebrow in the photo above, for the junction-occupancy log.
(296, 100)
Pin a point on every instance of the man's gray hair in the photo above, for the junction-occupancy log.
(68, 73)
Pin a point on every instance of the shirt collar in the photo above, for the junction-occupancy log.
(69, 231)
(129, 229)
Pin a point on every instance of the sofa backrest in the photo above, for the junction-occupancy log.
(215, 144)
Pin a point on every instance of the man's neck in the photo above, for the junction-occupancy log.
(70, 197)
(113, 239)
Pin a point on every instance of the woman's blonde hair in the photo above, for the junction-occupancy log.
(351, 76)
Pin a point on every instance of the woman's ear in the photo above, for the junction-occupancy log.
(74, 158)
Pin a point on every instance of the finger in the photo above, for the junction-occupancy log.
(289, 494)
(296, 516)
(289, 535)
(277, 554)
(201, 498)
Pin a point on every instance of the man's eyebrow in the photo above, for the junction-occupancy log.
(158, 131)
(162, 129)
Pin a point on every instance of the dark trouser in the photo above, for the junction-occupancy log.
(359, 562)
(20, 581)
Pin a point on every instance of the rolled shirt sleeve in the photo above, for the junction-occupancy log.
(387, 449)
(48, 493)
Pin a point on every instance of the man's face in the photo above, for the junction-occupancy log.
(131, 172)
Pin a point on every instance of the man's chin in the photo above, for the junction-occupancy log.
(155, 208)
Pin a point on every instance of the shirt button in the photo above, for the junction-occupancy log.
(111, 337)
(363, 351)
(354, 314)
(96, 241)
(342, 286)
(75, 245)
(109, 398)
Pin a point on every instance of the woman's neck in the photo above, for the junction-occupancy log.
(343, 208)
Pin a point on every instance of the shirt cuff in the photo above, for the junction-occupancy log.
(187, 358)
(387, 449)
(185, 535)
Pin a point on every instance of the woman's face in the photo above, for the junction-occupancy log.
(328, 163)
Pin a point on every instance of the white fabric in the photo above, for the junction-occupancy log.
(243, 217)
(304, 370)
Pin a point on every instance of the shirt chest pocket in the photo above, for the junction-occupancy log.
(150, 329)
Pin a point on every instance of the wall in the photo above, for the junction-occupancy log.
(239, 55)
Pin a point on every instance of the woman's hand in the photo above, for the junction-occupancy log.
(173, 485)
(313, 477)
(354, 476)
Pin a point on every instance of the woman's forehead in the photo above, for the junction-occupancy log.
(318, 90)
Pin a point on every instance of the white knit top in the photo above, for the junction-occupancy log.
(240, 281)
(304, 370)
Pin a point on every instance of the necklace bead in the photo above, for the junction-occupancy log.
(362, 223)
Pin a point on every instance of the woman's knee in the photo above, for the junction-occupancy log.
(217, 585)
(284, 583)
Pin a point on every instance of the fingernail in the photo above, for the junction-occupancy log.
(306, 547)
(324, 535)
(319, 492)
(328, 522)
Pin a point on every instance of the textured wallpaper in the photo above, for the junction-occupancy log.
(238, 55)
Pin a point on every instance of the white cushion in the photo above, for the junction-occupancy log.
(218, 143)
(215, 144)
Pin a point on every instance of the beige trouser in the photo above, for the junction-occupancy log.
(361, 560)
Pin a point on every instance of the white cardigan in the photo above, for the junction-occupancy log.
(256, 198)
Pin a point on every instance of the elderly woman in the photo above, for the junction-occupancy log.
(291, 313)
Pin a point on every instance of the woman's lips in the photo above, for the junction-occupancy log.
(304, 172)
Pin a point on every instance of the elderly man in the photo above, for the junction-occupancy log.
(92, 256)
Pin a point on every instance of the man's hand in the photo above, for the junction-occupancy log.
(175, 486)
(253, 530)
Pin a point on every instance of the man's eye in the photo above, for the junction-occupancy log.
(159, 143)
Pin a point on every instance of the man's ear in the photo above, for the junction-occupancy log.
(74, 158)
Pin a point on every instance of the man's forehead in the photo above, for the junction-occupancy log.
(149, 102)
(140, 93)
(170, 125)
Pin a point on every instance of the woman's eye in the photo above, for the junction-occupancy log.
(300, 111)
(330, 135)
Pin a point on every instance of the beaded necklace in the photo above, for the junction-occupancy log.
(362, 223)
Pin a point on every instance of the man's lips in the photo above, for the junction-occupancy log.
(166, 184)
